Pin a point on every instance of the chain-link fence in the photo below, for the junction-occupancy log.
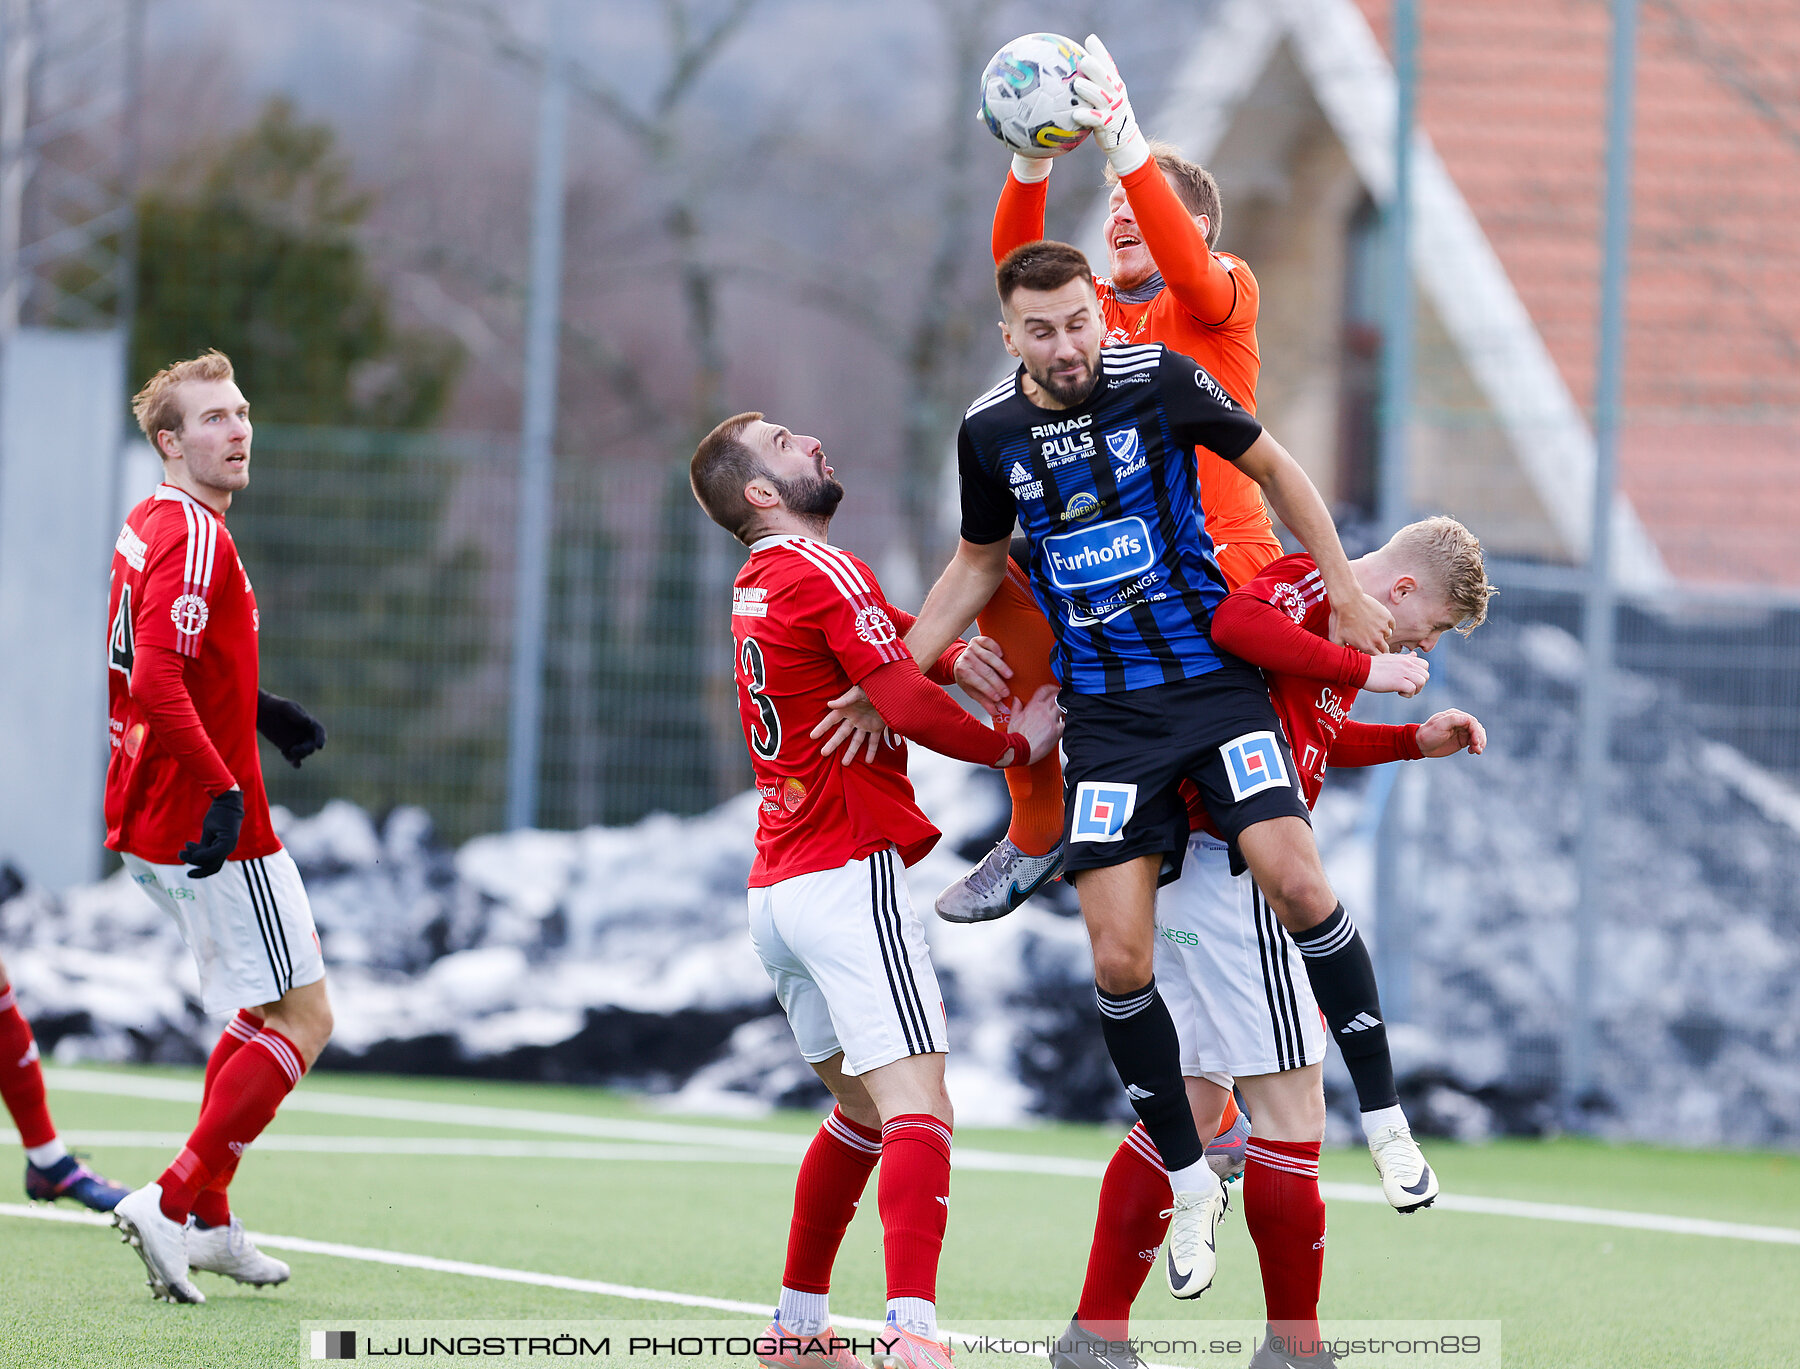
(383, 566)
(1699, 915)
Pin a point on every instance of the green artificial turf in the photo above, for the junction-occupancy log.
(1565, 1295)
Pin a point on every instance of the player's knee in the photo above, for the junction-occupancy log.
(1120, 968)
(1301, 898)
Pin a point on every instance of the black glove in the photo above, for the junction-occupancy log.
(218, 835)
(295, 732)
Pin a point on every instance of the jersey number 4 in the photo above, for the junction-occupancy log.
(119, 651)
(766, 739)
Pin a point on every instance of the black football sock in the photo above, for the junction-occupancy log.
(1140, 1037)
(1343, 981)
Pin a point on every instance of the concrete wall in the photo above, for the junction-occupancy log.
(62, 405)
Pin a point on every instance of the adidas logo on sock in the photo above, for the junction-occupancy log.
(1136, 1094)
(1362, 1022)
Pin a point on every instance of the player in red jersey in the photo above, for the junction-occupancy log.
(50, 1171)
(1168, 285)
(829, 911)
(1226, 965)
(186, 811)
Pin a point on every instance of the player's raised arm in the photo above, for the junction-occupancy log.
(1176, 240)
(1357, 619)
(1019, 216)
(989, 513)
(1248, 625)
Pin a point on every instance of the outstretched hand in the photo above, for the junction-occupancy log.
(1446, 733)
(1363, 623)
(1397, 672)
(853, 719)
(1108, 109)
(982, 671)
(1041, 722)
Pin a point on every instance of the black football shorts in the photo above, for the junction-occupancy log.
(1126, 754)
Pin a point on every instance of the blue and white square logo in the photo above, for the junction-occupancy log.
(1253, 763)
(1102, 810)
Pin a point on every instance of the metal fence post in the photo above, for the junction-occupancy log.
(1599, 606)
(1393, 939)
(536, 433)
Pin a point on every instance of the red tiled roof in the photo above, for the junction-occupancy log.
(1514, 98)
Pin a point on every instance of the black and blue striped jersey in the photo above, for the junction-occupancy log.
(1108, 495)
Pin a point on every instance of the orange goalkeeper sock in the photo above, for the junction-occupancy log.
(1013, 619)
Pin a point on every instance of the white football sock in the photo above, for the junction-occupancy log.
(47, 1154)
(805, 1314)
(1382, 1117)
(1196, 1178)
(918, 1315)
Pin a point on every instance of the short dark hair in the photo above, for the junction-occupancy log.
(723, 464)
(1192, 183)
(1041, 265)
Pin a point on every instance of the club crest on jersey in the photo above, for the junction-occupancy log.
(1102, 810)
(1253, 763)
(1127, 453)
(1288, 599)
(875, 627)
(189, 613)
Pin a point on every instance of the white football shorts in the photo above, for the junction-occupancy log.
(850, 963)
(250, 927)
(1233, 980)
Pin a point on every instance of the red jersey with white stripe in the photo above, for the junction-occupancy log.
(1311, 711)
(177, 583)
(809, 621)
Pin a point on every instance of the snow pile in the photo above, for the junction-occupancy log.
(620, 954)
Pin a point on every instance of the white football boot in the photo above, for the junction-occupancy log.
(1004, 879)
(1191, 1255)
(1405, 1177)
(228, 1250)
(160, 1243)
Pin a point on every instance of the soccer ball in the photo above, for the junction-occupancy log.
(1027, 94)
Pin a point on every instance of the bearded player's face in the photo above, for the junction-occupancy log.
(1057, 334)
(796, 467)
(214, 441)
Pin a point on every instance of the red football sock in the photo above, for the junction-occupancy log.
(21, 1080)
(249, 1087)
(832, 1178)
(1286, 1217)
(211, 1206)
(914, 1194)
(1135, 1198)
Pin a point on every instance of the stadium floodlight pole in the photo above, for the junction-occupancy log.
(1393, 941)
(1599, 609)
(537, 432)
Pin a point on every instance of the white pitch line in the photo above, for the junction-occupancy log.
(432, 1264)
(731, 1144)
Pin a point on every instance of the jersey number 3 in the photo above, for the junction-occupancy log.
(119, 651)
(766, 739)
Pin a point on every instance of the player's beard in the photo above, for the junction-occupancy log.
(814, 497)
(1068, 392)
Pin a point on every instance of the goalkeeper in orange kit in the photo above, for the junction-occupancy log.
(1167, 285)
